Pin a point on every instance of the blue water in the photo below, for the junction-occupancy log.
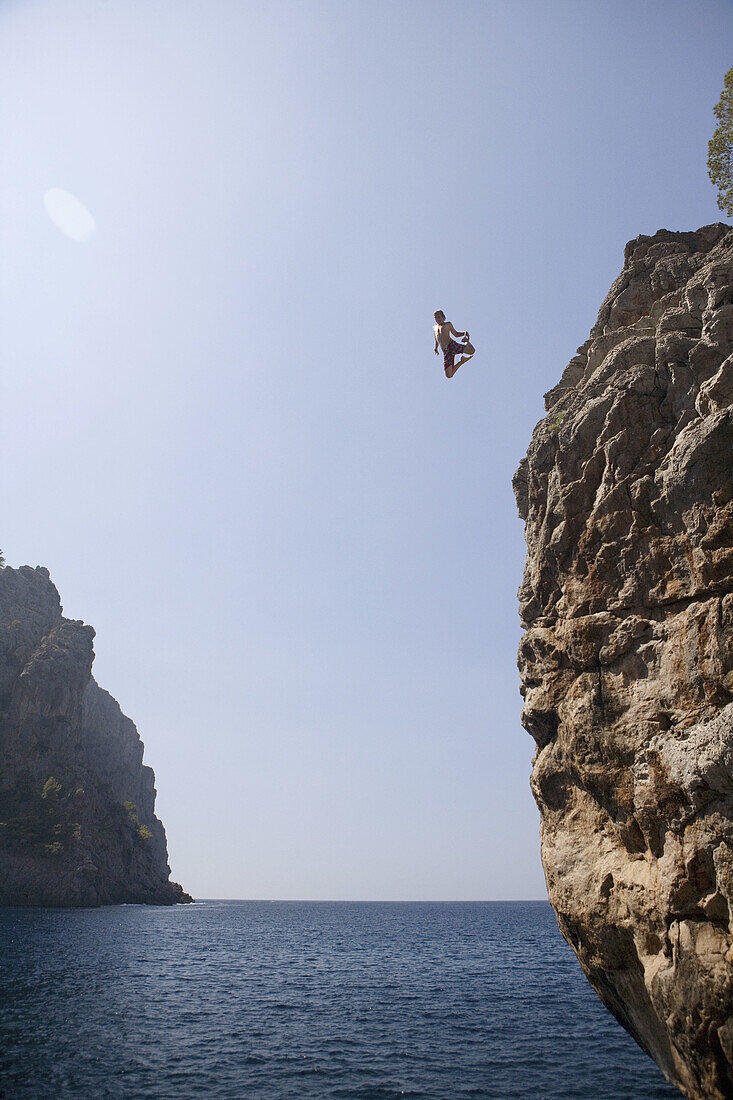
(296, 999)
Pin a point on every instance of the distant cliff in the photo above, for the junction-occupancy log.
(77, 820)
(627, 659)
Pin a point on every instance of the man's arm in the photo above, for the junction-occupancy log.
(435, 334)
(454, 332)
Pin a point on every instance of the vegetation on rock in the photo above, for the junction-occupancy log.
(40, 817)
(720, 147)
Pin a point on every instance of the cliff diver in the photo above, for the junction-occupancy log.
(444, 332)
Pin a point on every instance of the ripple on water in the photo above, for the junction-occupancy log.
(306, 1000)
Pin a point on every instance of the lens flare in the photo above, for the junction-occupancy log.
(69, 214)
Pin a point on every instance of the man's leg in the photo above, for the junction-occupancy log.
(467, 351)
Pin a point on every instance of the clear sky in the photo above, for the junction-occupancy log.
(223, 426)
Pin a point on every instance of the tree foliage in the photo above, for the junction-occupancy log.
(720, 147)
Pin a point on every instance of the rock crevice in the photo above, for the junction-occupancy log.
(627, 656)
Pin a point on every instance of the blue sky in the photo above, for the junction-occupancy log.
(223, 427)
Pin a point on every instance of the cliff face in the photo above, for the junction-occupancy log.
(77, 820)
(627, 659)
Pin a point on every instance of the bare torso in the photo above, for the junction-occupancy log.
(443, 333)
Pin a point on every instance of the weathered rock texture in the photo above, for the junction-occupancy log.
(77, 820)
(627, 659)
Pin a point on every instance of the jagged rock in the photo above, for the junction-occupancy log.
(627, 659)
(77, 820)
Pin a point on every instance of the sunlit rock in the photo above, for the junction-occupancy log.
(627, 659)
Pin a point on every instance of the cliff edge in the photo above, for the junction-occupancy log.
(627, 659)
(77, 820)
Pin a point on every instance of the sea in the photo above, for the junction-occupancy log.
(260, 1000)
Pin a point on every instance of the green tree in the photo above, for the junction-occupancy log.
(720, 147)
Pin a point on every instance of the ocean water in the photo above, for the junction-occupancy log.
(271, 1000)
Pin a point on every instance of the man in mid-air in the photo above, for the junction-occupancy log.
(444, 332)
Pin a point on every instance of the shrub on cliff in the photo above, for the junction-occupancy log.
(38, 817)
(720, 147)
(51, 788)
(142, 831)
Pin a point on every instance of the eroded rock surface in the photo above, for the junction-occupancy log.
(627, 659)
(77, 805)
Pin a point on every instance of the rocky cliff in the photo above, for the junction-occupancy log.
(77, 820)
(627, 659)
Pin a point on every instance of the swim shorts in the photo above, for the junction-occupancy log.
(449, 353)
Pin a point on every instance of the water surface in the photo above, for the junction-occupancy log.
(271, 1000)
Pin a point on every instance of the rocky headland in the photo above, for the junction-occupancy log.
(77, 805)
(627, 658)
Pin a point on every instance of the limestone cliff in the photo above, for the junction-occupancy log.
(627, 659)
(77, 820)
